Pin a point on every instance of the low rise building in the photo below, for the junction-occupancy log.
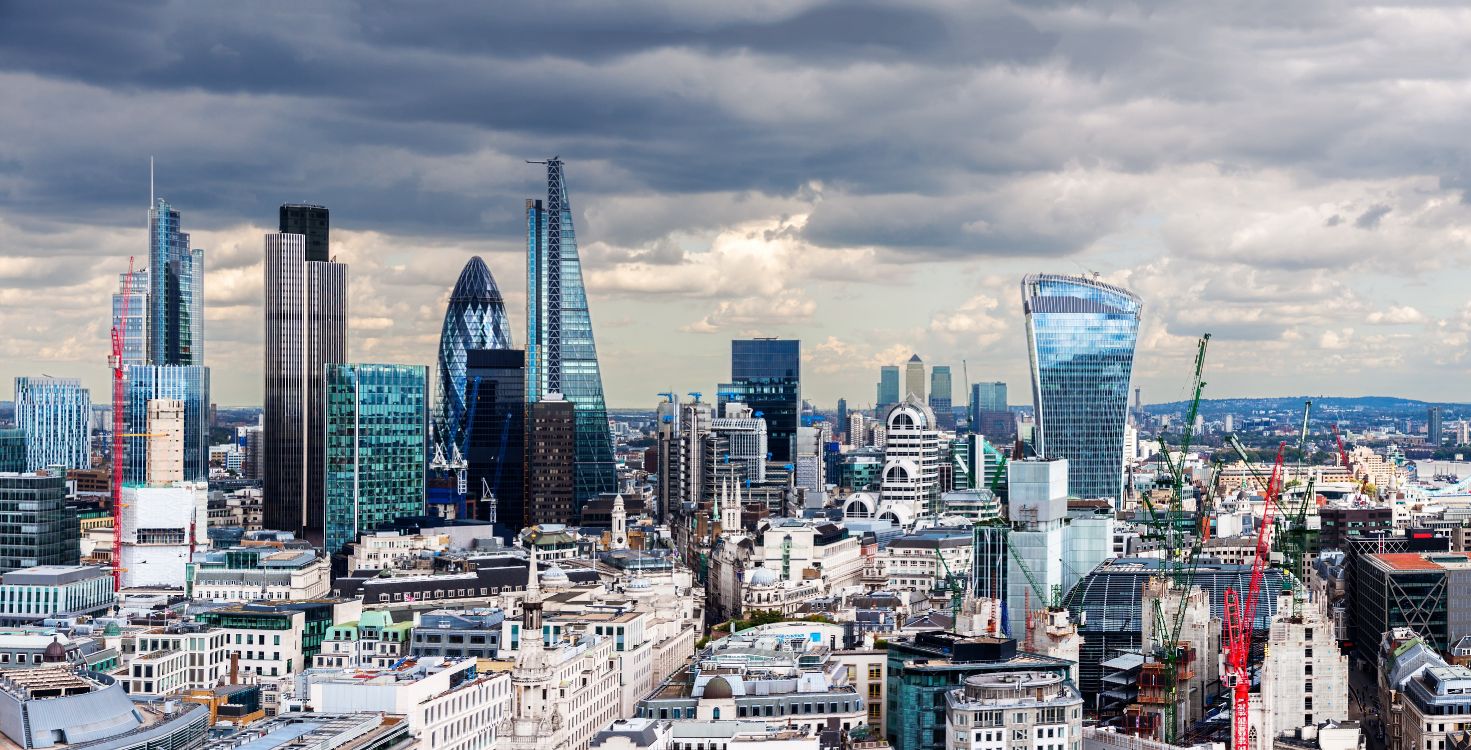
(319, 731)
(166, 660)
(448, 704)
(373, 640)
(259, 573)
(470, 633)
(60, 707)
(1039, 710)
(279, 638)
(43, 592)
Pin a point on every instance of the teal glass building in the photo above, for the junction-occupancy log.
(1080, 340)
(36, 526)
(376, 423)
(175, 291)
(186, 383)
(561, 356)
(888, 388)
(474, 319)
(12, 450)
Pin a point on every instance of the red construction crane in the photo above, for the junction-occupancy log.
(1241, 617)
(1342, 454)
(119, 405)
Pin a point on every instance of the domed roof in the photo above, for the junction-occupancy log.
(112, 629)
(640, 584)
(554, 576)
(54, 652)
(762, 576)
(719, 688)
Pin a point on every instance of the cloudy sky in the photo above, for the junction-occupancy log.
(871, 178)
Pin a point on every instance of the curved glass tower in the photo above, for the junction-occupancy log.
(1080, 339)
(475, 319)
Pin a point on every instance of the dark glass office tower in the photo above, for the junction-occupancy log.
(311, 222)
(1080, 337)
(560, 354)
(495, 455)
(36, 526)
(550, 465)
(888, 389)
(766, 375)
(176, 291)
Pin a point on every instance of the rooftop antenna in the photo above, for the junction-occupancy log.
(150, 182)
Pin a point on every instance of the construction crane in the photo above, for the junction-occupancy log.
(1292, 533)
(119, 406)
(1241, 616)
(1179, 560)
(1342, 454)
(955, 585)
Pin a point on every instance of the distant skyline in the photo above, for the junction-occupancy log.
(874, 181)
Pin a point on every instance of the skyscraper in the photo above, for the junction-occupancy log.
(306, 329)
(888, 389)
(551, 453)
(561, 356)
(914, 378)
(496, 449)
(55, 415)
(1080, 337)
(175, 291)
(188, 384)
(377, 432)
(987, 397)
(135, 343)
(942, 395)
(474, 319)
(1433, 428)
(36, 526)
(309, 221)
(766, 375)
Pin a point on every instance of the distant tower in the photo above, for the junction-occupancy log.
(914, 378)
(175, 291)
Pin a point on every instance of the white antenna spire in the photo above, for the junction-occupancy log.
(150, 182)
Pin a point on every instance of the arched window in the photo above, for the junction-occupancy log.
(715, 714)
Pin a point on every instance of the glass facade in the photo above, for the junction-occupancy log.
(561, 356)
(376, 436)
(475, 319)
(55, 414)
(313, 223)
(1080, 339)
(496, 449)
(175, 291)
(36, 527)
(12, 450)
(766, 375)
(189, 384)
(888, 390)
(986, 397)
(942, 396)
(135, 343)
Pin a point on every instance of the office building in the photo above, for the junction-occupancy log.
(551, 463)
(741, 443)
(186, 384)
(165, 441)
(1416, 590)
(1434, 432)
(888, 389)
(474, 319)
(135, 339)
(313, 223)
(911, 474)
(561, 356)
(1080, 339)
(447, 704)
(258, 573)
(376, 440)
(175, 291)
(13, 450)
(306, 329)
(942, 396)
(842, 423)
(495, 454)
(914, 378)
(986, 397)
(57, 706)
(36, 526)
(766, 375)
(53, 413)
(995, 710)
(31, 595)
(1304, 655)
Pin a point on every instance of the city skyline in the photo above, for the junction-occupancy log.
(1319, 264)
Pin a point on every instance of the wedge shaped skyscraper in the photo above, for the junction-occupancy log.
(560, 354)
(474, 319)
(1080, 339)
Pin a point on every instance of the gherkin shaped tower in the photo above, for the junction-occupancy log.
(475, 319)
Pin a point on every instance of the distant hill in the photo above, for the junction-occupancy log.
(1294, 403)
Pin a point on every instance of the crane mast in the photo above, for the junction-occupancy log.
(115, 362)
(1241, 616)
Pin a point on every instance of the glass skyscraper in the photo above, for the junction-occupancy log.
(942, 396)
(888, 388)
(376, 436)
(561, 356)
(495, 453)
(12, 450)
(474, 319)
(188, 384)
(135, 344)
(766, 375)
(55, 414)
(36, 526)
(1080, 339)
(175, 291)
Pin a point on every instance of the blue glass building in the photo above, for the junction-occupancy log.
(475, 319)
(561, 356)
(175, 291)
(12, 450)
(135, 343)
(377, 430)
(55, 414)
(1080, 339)
(888, 389)
(766, 375)
(186, 383)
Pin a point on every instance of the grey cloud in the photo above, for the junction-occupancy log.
(1370, 218)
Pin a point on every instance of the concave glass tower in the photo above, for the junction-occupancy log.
(1080, 339)
(475, 319)
(560, 354)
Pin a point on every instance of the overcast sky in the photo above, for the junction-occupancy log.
(871, 179)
